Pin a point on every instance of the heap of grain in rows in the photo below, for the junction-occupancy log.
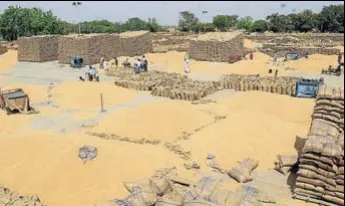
(321, 165)
(279, 85)
(136, 43)
(38, 48)
(171, 85)
(91, 47)
(217, 46)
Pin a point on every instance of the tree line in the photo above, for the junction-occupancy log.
(16, 21)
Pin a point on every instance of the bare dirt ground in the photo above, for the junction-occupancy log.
(39, 152)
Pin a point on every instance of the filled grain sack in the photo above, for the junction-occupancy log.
(332, 150)
(142, 196)
(171, 199)
(161, 185)
(141, 183)
(204, 187)
(242, 173)
(115, 202)
(313, 175)
(246, 196)
(288, 160)
(199, 202)
(220, 196)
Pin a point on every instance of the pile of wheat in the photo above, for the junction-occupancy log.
(321, 165)
(38, 48)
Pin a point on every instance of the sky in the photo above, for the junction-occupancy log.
(166, 12)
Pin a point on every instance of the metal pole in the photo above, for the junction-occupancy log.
(78, 18)
(102, 109)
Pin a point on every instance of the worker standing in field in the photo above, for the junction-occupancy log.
(138, 66)
(251, 56)
(276, 57)
(144, 61)
(186, 65)
(101, 62)
(116, 61)
(340, 58)
(306, 55)
(105, 64)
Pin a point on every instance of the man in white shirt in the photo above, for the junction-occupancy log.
(91, 73)
(186, 65)
(138, 66)
(105, 65)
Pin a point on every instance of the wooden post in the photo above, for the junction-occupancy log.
(102, 110)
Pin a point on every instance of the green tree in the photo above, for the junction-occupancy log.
(332, 18)
(153, 26)
(203, 27)
(224, 22)
(16, 21)
(305, 21)
(279, 23)
(260, 26)
(221, 22)
(187, 21)
(245, 23)
(232, 19)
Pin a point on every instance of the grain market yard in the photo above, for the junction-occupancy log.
(257, 124)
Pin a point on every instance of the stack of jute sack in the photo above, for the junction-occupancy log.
(146, 81)
(7, 197)
(217, 46)
(136, 43)
(3, 49)
(167, 188)
(242, 173)
(171, 85)
(270, 49)
(38, 48)
(171, 41)
(321, 165)
(90, 47)
(286, 163)
(279, 85)
(185, 89)
(330, 106)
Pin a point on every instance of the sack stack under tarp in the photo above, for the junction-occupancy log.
(90, 47)
(136, 43)
(280, 85)
(217, 46)
(170, 85)
(38, 48)
(321, 165)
